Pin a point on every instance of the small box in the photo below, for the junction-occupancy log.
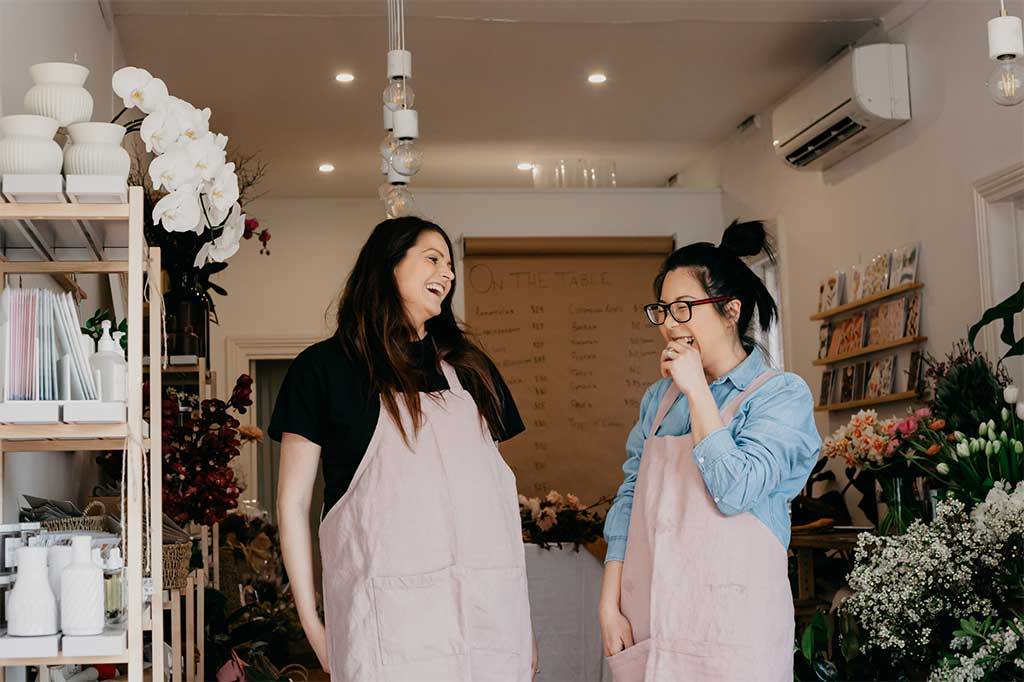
(97, 189)
(29, 412)
(34, 189)
(29, 647)
(113, 641)
(94, 412)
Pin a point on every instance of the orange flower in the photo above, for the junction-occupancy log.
(937, 425)
(933, 450)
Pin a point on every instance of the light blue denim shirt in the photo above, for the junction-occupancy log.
(756, 464)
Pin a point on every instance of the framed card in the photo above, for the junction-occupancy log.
(913, 326)
(904, 265)
(847, 383)
(914, 372)
(876, 277)
(827, 380)
(833, 292)
(855, 285)
(860, 371)
(824, 336)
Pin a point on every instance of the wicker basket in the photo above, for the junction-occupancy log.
(94, 523)
(177, 559)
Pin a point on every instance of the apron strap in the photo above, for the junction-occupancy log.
(452, 376)
(667, 401)
(729, 411)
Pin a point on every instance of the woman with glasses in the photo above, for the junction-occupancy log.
(424, 575)
(695, 583)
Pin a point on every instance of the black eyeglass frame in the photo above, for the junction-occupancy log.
(652, 309)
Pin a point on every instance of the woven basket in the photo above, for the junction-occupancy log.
(177, 559)
(75, 523)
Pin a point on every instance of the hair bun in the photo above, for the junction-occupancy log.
(745, 239)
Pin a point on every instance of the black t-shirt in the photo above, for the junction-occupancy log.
(326, 399)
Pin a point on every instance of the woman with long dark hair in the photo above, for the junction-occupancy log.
(695, 584)
(423, 564)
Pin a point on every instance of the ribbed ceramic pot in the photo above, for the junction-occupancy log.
(96, 149)
(59, 92)
(27, 146)
(31, 606)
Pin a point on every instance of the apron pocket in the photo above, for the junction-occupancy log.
(494, 608)
(630, 665)
(416, 617)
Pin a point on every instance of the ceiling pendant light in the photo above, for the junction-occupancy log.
(1006, 48)
(401, 156)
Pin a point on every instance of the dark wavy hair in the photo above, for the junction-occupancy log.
(374, 331)
(722, 272)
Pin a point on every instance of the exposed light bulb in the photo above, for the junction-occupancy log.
(399, 94)
(1006, 82)
(407, 158)
(388, 146)
(399, 202)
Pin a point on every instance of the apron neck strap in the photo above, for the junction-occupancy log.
(667, 401)
(729, 411)
(450, 374)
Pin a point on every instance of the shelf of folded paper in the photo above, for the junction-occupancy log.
(865, 301)
(870, 350)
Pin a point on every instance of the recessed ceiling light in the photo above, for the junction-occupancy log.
(326, 167)
(597, 78)
(525, 166)
(344, 78)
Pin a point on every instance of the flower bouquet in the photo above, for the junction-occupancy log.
(558, 519)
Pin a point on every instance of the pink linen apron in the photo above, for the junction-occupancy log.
(423, 562)
(707, 595)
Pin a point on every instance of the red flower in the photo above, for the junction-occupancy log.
(933, 450)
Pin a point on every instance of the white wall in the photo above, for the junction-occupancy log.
(33, 31)
(912, 185)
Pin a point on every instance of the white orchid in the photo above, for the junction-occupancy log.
(223, 190)
(195, 123)
(226, 245)
(178, 211)
(173, 169)
(160, 131)
(207, 158)
(137, 88)
(221, 141)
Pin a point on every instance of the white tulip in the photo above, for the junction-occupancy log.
(963, 450)
(172, 169)
(996, 447)
(160, 130)
(1010, 394)
(179, 210)
(224, 190)
(989, 449)
(138, 88)
(1004, 414)
(207, 158)
(942, 468)
(982, 428)
(1020, 410)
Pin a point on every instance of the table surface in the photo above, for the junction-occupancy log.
(826, 539)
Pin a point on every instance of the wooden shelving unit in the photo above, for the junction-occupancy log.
(871, 350)
(869, 402)
(866, 301)
(906, 342)
(36, 235)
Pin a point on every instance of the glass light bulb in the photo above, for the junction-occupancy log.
(387, 146)
(399, 94)
(1006, 82)
(383, 189)
(408, 158)
(399, 202)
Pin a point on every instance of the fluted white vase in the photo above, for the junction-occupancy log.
(31, 607)
(81, 592)
(96, 149)
(27, 146)
(57, 559)
(59, 92)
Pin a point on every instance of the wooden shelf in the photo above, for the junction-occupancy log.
(19, 211)
(67, 445)
(869, 350)
(61, 659)
(864, 302)
(62, 431)
(868, 402)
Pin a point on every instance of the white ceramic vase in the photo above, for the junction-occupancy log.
(58, 558)
(27, 147)
(31, 607)
(59, 93)
(81, 592)
(96, 149)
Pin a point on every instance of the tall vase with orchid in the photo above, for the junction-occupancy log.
(194, 196)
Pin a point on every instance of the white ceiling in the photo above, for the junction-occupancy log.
(496, 83)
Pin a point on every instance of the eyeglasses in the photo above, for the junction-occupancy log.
(681, 311)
